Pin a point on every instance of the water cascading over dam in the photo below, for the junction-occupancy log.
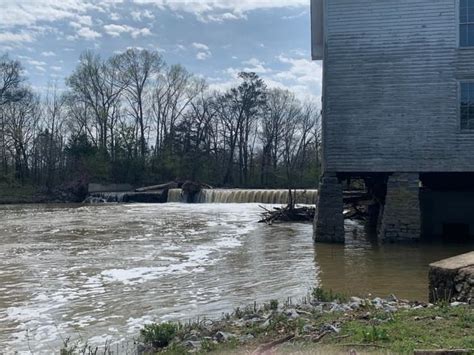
(246, 196)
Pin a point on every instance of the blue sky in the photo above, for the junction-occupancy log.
(212, 38)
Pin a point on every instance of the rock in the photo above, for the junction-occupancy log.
(378, 303)
(457, 304)
(308, 329)
(246, 338)
(292, 313)
(390, 309)
(318, 309)
(448, 278)
(265, 324)
(223, 336)
(392, 298)
(192, 344)
(459, 287)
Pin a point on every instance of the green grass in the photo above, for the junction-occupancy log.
(407, 330)
(381, 332)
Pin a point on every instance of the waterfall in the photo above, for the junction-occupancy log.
(175, 195)
(105, 197)
(247, 196)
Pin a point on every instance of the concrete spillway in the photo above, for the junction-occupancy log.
(246, 196)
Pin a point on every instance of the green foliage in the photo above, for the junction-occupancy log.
(321, 295)
(159, 335)
(373, 334)
(274, 305)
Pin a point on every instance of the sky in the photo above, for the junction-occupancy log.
(214, 39)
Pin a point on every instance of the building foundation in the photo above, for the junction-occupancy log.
(329, 220)
(401, 214)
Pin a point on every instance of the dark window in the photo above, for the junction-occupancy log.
(467, 106)
(466, 23)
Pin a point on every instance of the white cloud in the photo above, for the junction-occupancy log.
(48, 54)
(84, 20)
(36, 63)
(203, 55)
(220, 10)
(117, 30)
(204, 52)
(293, 17)
(142, 15)
(115, 16)
(201, 46)
(87, 33)
(9, 37)
(301, 76)
(302, 71)
(256, 66)
(56, 68)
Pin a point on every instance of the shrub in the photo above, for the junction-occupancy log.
(322, 295)
(159, 335)
(274, 305)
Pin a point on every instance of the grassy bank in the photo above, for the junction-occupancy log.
(365, 330)
(324, 324)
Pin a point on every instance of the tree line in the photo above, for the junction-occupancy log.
(133, 118)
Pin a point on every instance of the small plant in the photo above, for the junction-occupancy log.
(321, 295)
(159, 335)
(374, 334)
(274, 305)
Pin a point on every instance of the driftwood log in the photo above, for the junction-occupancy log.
(167, 186)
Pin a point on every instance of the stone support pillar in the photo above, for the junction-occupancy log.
(401, 218)
(329, 220)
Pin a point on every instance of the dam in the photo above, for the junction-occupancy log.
(307, 197)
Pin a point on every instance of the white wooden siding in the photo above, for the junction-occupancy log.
(390, 96)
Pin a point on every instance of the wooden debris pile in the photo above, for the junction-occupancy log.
(355, 208)
(288, 213)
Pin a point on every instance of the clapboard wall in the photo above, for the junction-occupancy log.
(390, 95)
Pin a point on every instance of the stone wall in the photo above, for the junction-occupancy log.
(453, 279)
(401, 218)
(329, 220)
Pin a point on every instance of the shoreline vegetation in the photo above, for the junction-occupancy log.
(133, 118)
(322, 323)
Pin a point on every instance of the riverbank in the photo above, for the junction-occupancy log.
(29, 194)
(324, 323)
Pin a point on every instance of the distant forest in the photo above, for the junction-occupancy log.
(132, 118)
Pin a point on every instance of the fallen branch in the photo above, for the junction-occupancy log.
(265, 347)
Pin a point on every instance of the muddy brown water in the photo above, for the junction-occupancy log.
(101, 272)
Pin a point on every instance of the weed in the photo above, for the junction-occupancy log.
(322, 295)
(374, 334)
(159, 335)
(274, 305)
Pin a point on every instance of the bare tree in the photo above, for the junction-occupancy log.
(21, 122)
(97, 84)
(138, 68)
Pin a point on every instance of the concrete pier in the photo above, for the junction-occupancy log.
(401, 219)
(329, 221)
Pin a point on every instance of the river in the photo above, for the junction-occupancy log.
(100, 272)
